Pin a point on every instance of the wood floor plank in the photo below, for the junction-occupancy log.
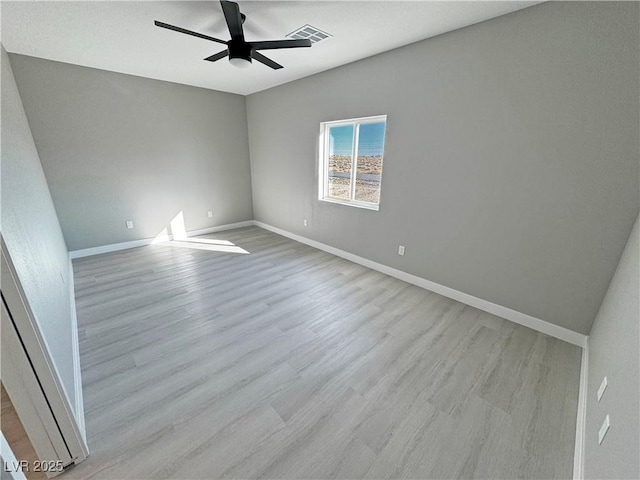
(289, 362)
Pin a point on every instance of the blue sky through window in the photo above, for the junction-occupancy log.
(370, 141)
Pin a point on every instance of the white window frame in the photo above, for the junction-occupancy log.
(323, 173)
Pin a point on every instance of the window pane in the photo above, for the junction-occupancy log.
(370, 153)
(340, 161)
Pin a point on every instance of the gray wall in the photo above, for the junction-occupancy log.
(116, 147)
(511, 164)
(32, 233)
(614, 344)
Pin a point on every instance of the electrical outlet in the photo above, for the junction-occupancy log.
(210, 214)
(401, 250)
(306, 224)
(603, 387)
(129, 223)
(603, 429)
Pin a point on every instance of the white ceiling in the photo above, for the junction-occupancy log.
(120, 35)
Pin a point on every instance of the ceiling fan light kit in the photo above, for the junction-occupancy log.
(240, 52)
(240, 62)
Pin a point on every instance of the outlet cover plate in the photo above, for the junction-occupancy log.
(604, 429)
(603, 387)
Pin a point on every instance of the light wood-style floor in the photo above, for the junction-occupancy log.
(16, 437)
(289, 362)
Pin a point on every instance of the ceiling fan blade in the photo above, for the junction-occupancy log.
(234, 19)
(188, 32)
(217, 56)
(274, 44)
(267, 61)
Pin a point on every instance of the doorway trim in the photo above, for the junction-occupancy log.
(55, 413)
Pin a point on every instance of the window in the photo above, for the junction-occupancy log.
(351, 153)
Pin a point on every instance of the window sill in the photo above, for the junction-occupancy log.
(366, 206)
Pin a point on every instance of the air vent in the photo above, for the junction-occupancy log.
(307, 31)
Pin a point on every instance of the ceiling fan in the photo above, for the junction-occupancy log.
(239, 51)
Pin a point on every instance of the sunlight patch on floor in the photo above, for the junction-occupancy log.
(179, 238)
(203, 244)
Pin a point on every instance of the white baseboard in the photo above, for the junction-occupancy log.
(77, 371)
(220, 228)
(581, 420)
(114, 247)
(517, 317)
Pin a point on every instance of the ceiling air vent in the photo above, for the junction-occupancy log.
(307, 31)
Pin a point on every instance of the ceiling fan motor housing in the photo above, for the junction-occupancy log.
(239, 49)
